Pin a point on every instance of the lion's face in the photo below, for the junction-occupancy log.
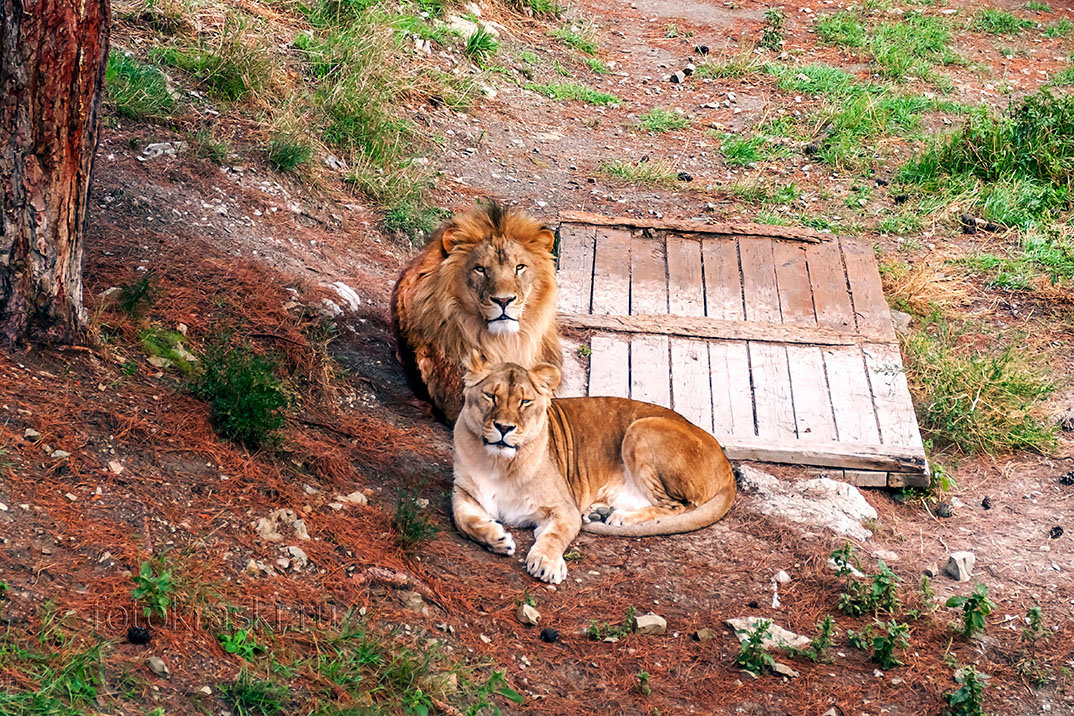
(506, 404)
(500, 266)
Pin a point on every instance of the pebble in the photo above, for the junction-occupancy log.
(527, 614)
(704, 634)
(944, 510)
(412, 601)
(1056, 532)
(960, 566)
(31, 434)
(158, 667)
(784, 670)
(650, 623)
(781, 577)
(986, 503)
(931, 571)
(205, 691)
(60, 454)
(298, 557)
(115, 467)
(886, 554)
(677, 78)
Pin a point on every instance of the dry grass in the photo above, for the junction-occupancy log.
(924, 288)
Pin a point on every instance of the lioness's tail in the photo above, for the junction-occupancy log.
(701, 516)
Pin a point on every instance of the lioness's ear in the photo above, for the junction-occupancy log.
(545, 239)
(477, 368)
(545, 377)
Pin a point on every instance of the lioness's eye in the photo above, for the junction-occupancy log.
(490, 397)
(479, 270)
(524, 403)
(520, 268)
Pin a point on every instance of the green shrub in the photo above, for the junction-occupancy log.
(286, 154)
(481, 46)
(975, 608)
(153, 590)
(772, 34)
(234, 68)
(968, 699)
(752, 655)
(135, 89)
(879, 594)
(413, 524)
(885, 641)
(246, 398)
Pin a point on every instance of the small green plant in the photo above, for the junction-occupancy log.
(999, 22)
(603, 630)
(413, 524)
(481, 46)
(743, 151)
(598, 67)
(1037, 6)
(495, 686)
(659, 120)
(885, 641)
(246, 398)
(136, 296)
(413, 220)
(878, 595)
(650, 173)
(241, 643)
(573, 555)
(671, 30)
(641, 683)
(846, 560)
(584, 351)
(975, 608)
(772, 34)
(287, 154)
(154, 591)
(583, 42)
(968, 699)
(169, 346)
(1034, 628)
(1059, 28)
(731, 67)
(208, 146)
(820, 644)
(575, 93)
(135, 89)
(752, 655)
(251, 696)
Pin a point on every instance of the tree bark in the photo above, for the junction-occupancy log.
(53, 55)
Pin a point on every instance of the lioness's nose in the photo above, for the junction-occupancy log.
(503, 301)
(504, 429)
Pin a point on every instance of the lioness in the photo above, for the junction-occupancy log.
(526, 460)
(485, 281)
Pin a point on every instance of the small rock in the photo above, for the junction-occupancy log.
(931, 571)
(1066, 420)
(412, 601)
(810, 149)
(355, 498)
(31, 435)
(957, 504)
(205, 691)
(298, 557)
(158, 667)
(945, 510)
(986, 503)
(781, 577)
(138, 635)
(60, 454)
(902, 320)
(777, 638)
(160, 362)
(886, 554)
(484, 639)
(689, 69)
(71, 496)
(549, 635)
(704, 634)
(1056, 532)
(115, 467)
(1067, 479)
(960, 566)
(650, 623)
(677, 78)
(184, 329)
(685, 176)
(851, 569)
(269, 527)
(283, 562)
(784, 670)
(527, 614)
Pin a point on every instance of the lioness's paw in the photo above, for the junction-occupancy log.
(547, 569)
(504, 544)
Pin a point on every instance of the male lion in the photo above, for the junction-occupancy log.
(485, 281)
(526, 460)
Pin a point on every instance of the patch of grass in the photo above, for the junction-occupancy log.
(1064, 78)
(1036, 6)
(975, 608)
(570, 92)
(481, 46)
(50, 675)
(246, 398)
(1041, 260)
(1059, 28)
(641, 683)
(241, 643)
(208, 146)
(153, 588)
(137, 296)
(659, 120)
(595, 64)
(252, 696)
(772, 33)
(766, 193)
(978, 399)
(540, 8)
(136, 90)
(999, 22)
(571, 37)
(169, 345)
(877, 595)
(603, 630)
(911, 46)
(166, 16)
(234, 67)
(650, 173)
(286, 153)
(415, 221)
(731, 67)
(842, 28)
(743, 151)
(813, 79)
(413, 524)
(899, 224)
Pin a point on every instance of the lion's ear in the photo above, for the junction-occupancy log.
(449, 238)
(477, 368)
(545, 377)
(545, 239)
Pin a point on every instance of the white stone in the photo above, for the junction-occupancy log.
(820, 502)
(960, 566)
(60, 454)
(650, 623)
(31, 434)
(115, 467)
(777, 637)
(348, 295)
(157, 666)
(298, 557)
(269, 527)
(527, 614)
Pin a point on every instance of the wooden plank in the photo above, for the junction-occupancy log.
(609, 367)
(866, 478)
(695, 327)
(574, 371)
(772, 391)
(813, 415)
(831, 298)
(732, 396)
(723, 279)
(693, 226)
(575, 275)
(852, 400)
(648, 278)
(830, 454)
(650, 373)
(866, 291)
(792, 283)
(759, 281)
(611, 272)
(686, 288)
(909, 479)
(891, 395)
(691, 391)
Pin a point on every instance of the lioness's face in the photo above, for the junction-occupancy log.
(506, 405)
(500, 276)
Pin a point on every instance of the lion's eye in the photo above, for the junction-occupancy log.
(524, 403)
(479, 270)
(520, 268)
(489, 397)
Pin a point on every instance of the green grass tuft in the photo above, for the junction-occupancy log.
(1059, 28)
(841, 28)
(413, 523)
(251, 696)
(583, 42)
(481, 46)
(999, 22)
(662, 120)
(287, 154)
(235, 67)
(646, 173)
(135, 89)
(570, 92)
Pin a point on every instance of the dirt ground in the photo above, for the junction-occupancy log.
(243, 247)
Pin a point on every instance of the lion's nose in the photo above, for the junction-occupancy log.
(503, 301)
(504, 429)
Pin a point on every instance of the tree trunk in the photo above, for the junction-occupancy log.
(53, 55)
